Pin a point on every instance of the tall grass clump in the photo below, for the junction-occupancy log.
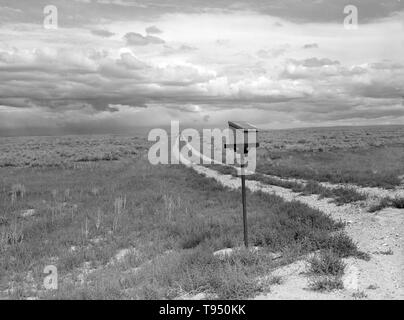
(326, 263)
(326, 284)
(326, 269)
(119, 208)
(343, 246)
(199, 271)
(387, 202)
(17, 191)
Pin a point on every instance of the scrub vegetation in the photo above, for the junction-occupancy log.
(117, 227)
(172, 218)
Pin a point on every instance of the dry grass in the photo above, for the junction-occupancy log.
(367, 156)
(340, 195)
(86, 189)
(68, 151)
(387, 202)
(326, 270)
(373, 167)
(326, 284)
(173, 217)
(327, 263)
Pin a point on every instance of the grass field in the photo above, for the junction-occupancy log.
(75, 202)
(174, 218)
(367, 156)
(67, 151)
(340, 195)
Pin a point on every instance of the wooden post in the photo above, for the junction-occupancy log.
(244, 211)
(241, 148)
(244, 198)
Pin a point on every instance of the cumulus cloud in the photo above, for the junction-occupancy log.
(97, 82)
(180, 50)
(6, 10)
(315, 62)
(325, 11)
(312, 68)
(130, 61)
(82, 74)
(77, 79)
(136, 39)
(153, 30)
(273, 53)
(310, 46)
(102, 33)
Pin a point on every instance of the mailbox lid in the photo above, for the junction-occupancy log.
(242, 125)
(249, 136)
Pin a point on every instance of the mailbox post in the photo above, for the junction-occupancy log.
(241, 135)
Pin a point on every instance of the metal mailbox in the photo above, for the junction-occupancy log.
(242, 137)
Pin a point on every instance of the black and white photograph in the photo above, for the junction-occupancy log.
(182, 151)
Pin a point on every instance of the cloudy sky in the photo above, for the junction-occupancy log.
(118, 64)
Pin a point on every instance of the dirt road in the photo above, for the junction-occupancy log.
(379, 234)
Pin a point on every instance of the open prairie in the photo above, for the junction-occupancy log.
(367, 156)
(117, 227)
(120, 121)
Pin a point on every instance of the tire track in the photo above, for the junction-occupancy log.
(375, 233)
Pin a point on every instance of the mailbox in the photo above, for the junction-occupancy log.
(242, 137)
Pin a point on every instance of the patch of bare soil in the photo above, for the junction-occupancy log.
(371, 192)
(381, 236)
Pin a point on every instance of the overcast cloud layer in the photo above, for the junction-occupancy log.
(115, 64)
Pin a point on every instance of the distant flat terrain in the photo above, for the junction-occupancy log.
(367, 156)
(67, 150)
